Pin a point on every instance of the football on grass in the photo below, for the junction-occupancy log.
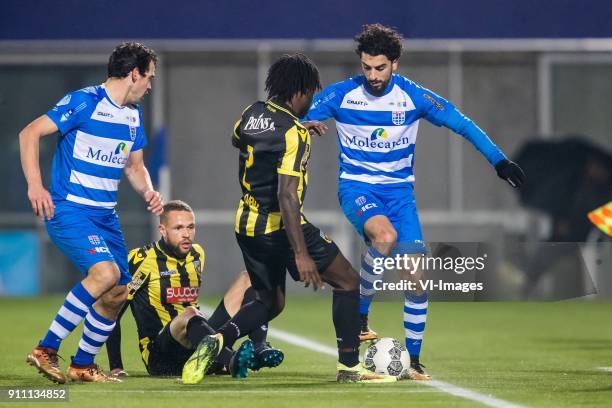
(387, 356)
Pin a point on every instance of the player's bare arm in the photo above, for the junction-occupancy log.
(139, 178)
(29, 142)
(290, 213)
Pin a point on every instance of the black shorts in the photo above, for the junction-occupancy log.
(166, 355)
(268, 257)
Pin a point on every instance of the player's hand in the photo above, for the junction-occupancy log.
(315, 127)
(154, 201)
(308, 271)
(42, 205)
(511, 172)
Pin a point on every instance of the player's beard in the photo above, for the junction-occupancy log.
(379, 89)
(177, 249)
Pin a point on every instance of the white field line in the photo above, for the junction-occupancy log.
(607, 369)
(448, 388)
(182, 391)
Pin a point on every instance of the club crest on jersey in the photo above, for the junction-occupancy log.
(361, 200)
(94, 239)
(398, 117)
(132, 133)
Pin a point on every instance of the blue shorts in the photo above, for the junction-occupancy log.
(87, 238)
(362, 201)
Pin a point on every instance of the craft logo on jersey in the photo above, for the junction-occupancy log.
(360, 103)
(379, 133)
(94, 239)
(182, 294)
(260, 124)
(398, 117)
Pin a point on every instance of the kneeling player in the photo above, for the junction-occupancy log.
(163, 294)
(270, 228)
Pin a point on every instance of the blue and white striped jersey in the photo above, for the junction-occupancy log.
(96, 139)
(377, 134)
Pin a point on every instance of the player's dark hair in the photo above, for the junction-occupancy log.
(377, 39)
(290, 75)
(174, 205)
(127, 56)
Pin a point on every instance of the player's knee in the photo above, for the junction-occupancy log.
(348, 280)
(106, 275)
(115, 298)
(190, 312)
(386, 236)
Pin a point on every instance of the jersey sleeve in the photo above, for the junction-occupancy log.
(141, 134)
(137, 265)
(441, 112)
(69, 112)
(290, 161)
(236, 134)
(325, 104)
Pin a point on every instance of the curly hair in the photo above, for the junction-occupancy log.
(377, 39)
(127, 56)
(292, 74)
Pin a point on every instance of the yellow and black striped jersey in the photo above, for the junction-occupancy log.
(271, 141)
(162, 286)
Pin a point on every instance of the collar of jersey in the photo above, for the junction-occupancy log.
(277, 106)
(107, 96)
(161, 244)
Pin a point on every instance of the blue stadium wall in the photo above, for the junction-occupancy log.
(102, 19)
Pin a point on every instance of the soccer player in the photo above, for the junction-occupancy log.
(101, 133)
(377, 116)
(163, 296)
(271, 230)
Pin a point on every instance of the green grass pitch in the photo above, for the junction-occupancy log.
(530, 354)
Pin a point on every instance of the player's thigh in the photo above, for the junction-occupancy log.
(166, 355)
(78, 238)
(359, 206)
(265, 258)
(235, 294)
(110, 229)
(340, 274)
(320, 247)
(405, 220)
(178, 325)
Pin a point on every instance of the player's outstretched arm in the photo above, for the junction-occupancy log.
(29, 148)
(440, 112)
(291, 216)
(139, 178)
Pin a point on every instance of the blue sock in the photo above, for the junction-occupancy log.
(95, 332)
(73, 311)
(366, 280)
(415, 315)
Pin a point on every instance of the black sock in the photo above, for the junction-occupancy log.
(345, 313)
(197, 329)
(249, 317)
(219, 316)
(259, 334)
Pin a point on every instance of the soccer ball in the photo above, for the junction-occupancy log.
(387, 356)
